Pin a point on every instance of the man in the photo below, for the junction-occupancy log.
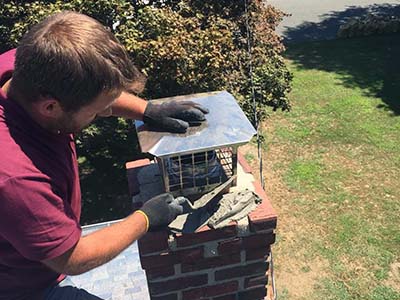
(68, 70)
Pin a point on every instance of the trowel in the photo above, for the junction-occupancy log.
(206, 198)
(195, 214)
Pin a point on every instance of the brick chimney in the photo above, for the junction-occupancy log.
(229, 263)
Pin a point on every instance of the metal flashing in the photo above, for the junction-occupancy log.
(225, 125)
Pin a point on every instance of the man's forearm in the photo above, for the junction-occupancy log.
(100, 247)
(129, 106)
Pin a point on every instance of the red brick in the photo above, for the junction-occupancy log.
(132, 169)
(258, 268)
(191, 256)
(165, 297)
(263, 225)
(264, 216)
(243, 162)
(250, 242)
(160, 272)
(190, 239)
(137, 163)
(254, 254)
(173, 257)
(203, 228)
(153, 242)
(210, 291)
(252, 294)
(256, 281)
(226, 297)
(230, 246)
(177, 284)
(258, 241)
(264, 211)
(211, 262)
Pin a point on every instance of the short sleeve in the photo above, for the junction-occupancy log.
(7, 60)
(35, 220)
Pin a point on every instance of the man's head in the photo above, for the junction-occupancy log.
(68, 63)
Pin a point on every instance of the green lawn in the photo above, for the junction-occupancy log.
(332, 168)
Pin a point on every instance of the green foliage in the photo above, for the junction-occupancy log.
(183, 46)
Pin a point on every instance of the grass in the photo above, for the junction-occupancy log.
(332, 169)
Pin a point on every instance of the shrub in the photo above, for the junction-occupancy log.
(372, 24)
(183, 46)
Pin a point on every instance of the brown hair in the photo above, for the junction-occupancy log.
(73, 58)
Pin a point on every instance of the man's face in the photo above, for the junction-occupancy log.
(76, 121)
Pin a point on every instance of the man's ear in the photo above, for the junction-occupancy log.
(49, 107)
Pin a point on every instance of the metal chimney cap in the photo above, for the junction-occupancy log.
(225, 125)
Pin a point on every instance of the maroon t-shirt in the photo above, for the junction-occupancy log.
(40, 198)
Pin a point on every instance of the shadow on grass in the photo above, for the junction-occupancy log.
(103, 149)
(370, 63)
(328, 27)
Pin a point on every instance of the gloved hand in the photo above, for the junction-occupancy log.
(174, 116)
(161, 210)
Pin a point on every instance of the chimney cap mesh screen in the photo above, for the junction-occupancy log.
(225, 125)
(198, 172)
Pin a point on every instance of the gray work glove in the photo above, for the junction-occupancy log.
(161, 210)
(174, 116)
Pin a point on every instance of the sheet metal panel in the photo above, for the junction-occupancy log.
(225, 125)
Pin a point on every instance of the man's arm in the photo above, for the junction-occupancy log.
(173, 116)
(129, 106)
(99, 247)
(103, 245)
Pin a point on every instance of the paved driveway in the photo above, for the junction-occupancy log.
(320, 19)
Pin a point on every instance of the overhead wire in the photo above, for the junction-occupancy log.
(257, 127)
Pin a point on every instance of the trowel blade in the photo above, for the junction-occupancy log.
(203, 200)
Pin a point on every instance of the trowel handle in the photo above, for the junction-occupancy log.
(181, 200)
